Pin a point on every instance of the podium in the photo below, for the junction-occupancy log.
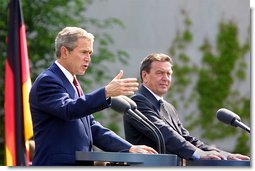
(131, 159)
(218, 163)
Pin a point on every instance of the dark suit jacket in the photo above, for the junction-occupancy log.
(177, 138)
(62, 121)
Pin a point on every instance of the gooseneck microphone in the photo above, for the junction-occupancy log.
(228, 117)
(122, 106)
(134, 108)
(161, 140)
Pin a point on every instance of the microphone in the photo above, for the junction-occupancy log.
(160, 139)
(228, 117)
(120, 105)
(134, 107)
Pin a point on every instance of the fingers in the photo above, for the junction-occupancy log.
(126, 86)
(150, 150)
(215, 157)
(238, 157)
(129, 80)
(218, 156)
(129, 85)
(242, 157)
(212, 155)
(142, 149)
(120, 74)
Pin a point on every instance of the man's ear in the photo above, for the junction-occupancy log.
(64, 51)
(144, 74)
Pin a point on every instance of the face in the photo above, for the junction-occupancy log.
(77, 60)
(159, 77)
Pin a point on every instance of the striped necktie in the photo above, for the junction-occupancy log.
(85, 119)
(77, 86)
(163, 111)
(165, 115)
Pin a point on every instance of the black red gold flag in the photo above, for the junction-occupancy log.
(18, 123)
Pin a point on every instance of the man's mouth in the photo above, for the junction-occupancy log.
(163, 85)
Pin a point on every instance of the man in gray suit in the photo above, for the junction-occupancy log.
(156, 74)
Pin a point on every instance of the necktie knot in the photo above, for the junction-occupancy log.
(166, 114)
(162, 105)
(161, 102)
(75, 81)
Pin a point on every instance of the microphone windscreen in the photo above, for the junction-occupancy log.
(119, 104)
(130, 101)
(226, 116)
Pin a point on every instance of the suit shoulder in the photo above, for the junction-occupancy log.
(47, 75)
(138, 96)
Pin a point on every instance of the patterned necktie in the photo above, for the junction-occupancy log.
(165, 115)
(163, 111)
(84, 120)
(77, 86)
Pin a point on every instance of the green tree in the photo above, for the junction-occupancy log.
(43, 20)
(209, 85)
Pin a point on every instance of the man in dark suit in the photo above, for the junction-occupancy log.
(156, 74)
(61, 113)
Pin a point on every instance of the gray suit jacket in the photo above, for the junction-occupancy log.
(177, 139)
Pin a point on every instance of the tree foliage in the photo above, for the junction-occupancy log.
(214, 83)
(43, 20)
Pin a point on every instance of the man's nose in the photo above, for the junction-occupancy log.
(87, 57)
(166, 77)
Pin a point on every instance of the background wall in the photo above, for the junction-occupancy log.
(151, 26)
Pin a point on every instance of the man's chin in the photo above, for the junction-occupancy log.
(163, 92)
(81, 73)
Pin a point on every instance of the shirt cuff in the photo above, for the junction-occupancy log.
(109, 100)
(197, 154)
(225, 154)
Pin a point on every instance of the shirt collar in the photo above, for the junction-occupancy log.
(155, 95)
(68, 75)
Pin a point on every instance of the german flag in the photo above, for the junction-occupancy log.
(18, 123)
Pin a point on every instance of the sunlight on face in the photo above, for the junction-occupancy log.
(80, 57)
(159, 77)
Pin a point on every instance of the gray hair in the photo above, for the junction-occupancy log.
(147, 61)
(68, 38)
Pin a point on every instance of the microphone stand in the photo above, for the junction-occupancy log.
(241, 125)
(121, 105)
(155, 131)
(160, 140)
(161, 137)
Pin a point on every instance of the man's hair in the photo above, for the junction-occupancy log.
(68, 38)
(147, 61)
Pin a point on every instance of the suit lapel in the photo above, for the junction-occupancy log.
(67, 85)
(86, 123)
(156, 105)
(142, 90)
(173, 115)
(72, 93)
